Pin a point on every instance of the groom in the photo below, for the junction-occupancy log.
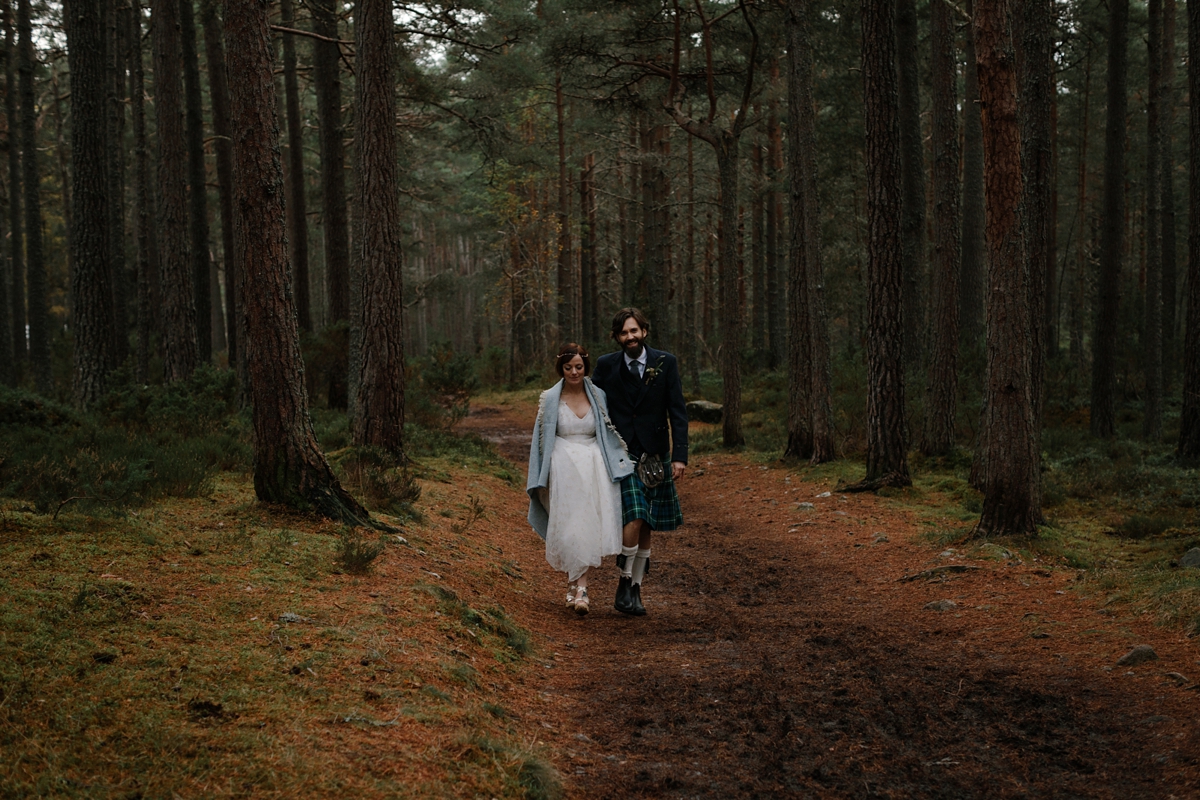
(645, 400)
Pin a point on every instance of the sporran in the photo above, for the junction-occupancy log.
(650, 470)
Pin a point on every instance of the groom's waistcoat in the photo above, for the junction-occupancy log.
(649, 412)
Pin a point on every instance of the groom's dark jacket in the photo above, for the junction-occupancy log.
(648, 412)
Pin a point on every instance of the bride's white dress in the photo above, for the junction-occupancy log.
(585, 504)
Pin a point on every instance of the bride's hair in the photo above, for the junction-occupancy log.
(569, 351)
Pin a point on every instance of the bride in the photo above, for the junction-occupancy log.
(576, 463)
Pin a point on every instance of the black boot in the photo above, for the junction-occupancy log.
(635, 601)
(624, 602)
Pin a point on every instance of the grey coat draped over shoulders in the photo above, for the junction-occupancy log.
(541, 449)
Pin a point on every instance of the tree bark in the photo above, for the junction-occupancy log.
(1152, 331)
(91, 287)
(197, 182)
(810, 416)
(588, 266)
(972, 278)
(114, 120)
(1189, 417)
(297, 202)
(178, 294)
(15, 207)
(1170, 268)
(327, 80)
(39, 309)
(568, 291)
(941, 397)
(147, 238)
(379, 402)
(1010, 458)
(1079, 279)
(8, 366)
(887, 440)
(1032, 21)
(912, 181)
(776, 246)
(218, 93)
(1112, 244)
(289, 467)
(758, 246)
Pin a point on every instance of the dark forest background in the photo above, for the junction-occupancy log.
(867, 228)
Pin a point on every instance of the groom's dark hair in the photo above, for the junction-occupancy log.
(626, 313)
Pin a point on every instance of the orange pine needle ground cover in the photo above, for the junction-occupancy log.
(207, 648)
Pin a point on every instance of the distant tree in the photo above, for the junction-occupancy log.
(379, 403)
(39, 308)
(16, 219)
(1010, 472)
(1170, 268)
(972, 277)
(942, 392)
(297, 204)
(810, 415)
(148, 290)
(1152, 332)
(1112, 235)
(178, 296)
(887, 437)
(91, 287)
(912, 182)
(335, 216)
(289, 467)
(1189, 417)
(114, 138)
(1033, 43)
(197, 181)
(218, 91)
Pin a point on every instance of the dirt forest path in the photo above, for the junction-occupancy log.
(784, 656)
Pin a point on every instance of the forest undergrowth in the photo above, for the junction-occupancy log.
(152, 611)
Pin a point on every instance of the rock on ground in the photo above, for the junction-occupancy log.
(1138, 655)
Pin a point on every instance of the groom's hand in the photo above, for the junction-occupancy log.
(677, 468)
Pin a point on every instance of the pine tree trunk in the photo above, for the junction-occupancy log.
(629, 234)
(39, 309)
(731, 306)
(114, 120)
(1112, 244)
(568, 326)
(16, 216)
(1189, 416)
(60, 142)
(887, 441)
(776, 246)
(588, 267)
(327, 80)
(1152, 332)
(147, 238)
(1032, 26)
(692, 336)
(758, 256)
(810, 415)
(178, 301)
(972, 278)
(659, 294)
(379, 403)
(289, 467)
(197, 182)
(1079, 279)
(1010, 458)
(942, 395)
(297, 203)
(1170, 268)
(91, 287)
(8, 367)
(218, 94)
(912, 178)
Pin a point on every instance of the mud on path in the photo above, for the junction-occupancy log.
(783, 656)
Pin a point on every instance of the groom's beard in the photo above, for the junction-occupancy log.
(633, 348)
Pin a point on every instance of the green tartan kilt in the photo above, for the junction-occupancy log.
(658, 506)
